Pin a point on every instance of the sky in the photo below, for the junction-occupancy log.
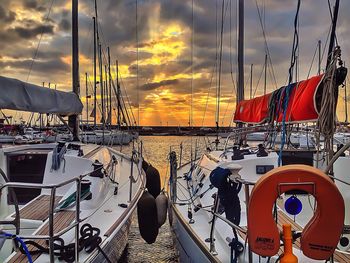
(176, 52)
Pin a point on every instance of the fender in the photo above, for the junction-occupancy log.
(321, 234)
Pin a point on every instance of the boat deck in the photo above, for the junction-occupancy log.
(38, 209)
(61, 220)
(282, 218)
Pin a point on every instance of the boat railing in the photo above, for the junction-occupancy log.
(53, 187)
(51, 237)
(247, 185)
(239, 132)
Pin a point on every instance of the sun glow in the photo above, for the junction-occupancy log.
(165, 45)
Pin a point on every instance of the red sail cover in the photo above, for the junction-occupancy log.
(301, 105)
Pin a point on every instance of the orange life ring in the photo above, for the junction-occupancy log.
(321, 234)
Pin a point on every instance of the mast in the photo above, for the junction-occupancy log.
(332, 38)
(55, 118)
(219, 74)
(240, 93)
(319, 58)
(137, 67)
(87, 99)
(328, 142)
(74, 119)
(110, 87)
(346, 100)
(118, 94)
(296, 67)
(95, 106)
(106, 95)
(101, 88)
(251, 81)
(265, 79)
(40, 115)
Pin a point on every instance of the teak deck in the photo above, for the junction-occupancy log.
(61, 220)
(282, 218)
(38, 209)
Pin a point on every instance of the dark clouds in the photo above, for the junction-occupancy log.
(33, 4)
(42, 66)
(117, 24)
(155, 85)
(64, 25)
(6, 17)
(32, 32)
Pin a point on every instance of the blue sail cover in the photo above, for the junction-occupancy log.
(22, 96)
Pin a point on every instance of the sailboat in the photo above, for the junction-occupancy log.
(70, 202)
(99, 134)
(255, 204)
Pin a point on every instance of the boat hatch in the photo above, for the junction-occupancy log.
(298, 157)
(26, 166)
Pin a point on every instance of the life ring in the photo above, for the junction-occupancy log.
(320, 236)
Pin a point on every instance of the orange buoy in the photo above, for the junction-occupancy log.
(321, 234)
(288, 256)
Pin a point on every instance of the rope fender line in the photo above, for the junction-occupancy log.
(89, 241)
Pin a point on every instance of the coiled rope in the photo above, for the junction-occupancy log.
(90, 240)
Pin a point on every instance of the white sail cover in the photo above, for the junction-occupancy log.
(22, 96)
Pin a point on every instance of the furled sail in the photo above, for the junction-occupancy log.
(22, 96)
(302, 104)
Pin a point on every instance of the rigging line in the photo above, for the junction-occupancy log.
(231, 61)
(231, 64)
(326, 43)
(228, 103)
(267, 49)
(120, 102)
(228, 4)
(223, 16)
(37, 47)
(137, 66)
(220, 64)
(231, 57)
(312, 61)
(288, 88)
(216, 46)
(97, 104)
(257, 84)
(192, 40)
(207, 100)
(235, 92)
(127, 97)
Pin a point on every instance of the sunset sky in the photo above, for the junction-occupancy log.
(164, 40)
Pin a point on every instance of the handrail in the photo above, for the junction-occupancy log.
(249, 129)
(240, 131)
(75, 224)
(48, 186)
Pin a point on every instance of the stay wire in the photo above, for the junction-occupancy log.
(312, 62)
(258, 82)
(231, 47)
(208, 94)
(192, 42)
(265, 42)
(220, 64)
(289, 87)
(41, 36)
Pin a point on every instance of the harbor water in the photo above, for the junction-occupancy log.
(155, 151)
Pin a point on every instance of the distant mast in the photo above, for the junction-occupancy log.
(95, 66)
(74, 119)
(240, 93)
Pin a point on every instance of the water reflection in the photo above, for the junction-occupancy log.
(156, 150)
